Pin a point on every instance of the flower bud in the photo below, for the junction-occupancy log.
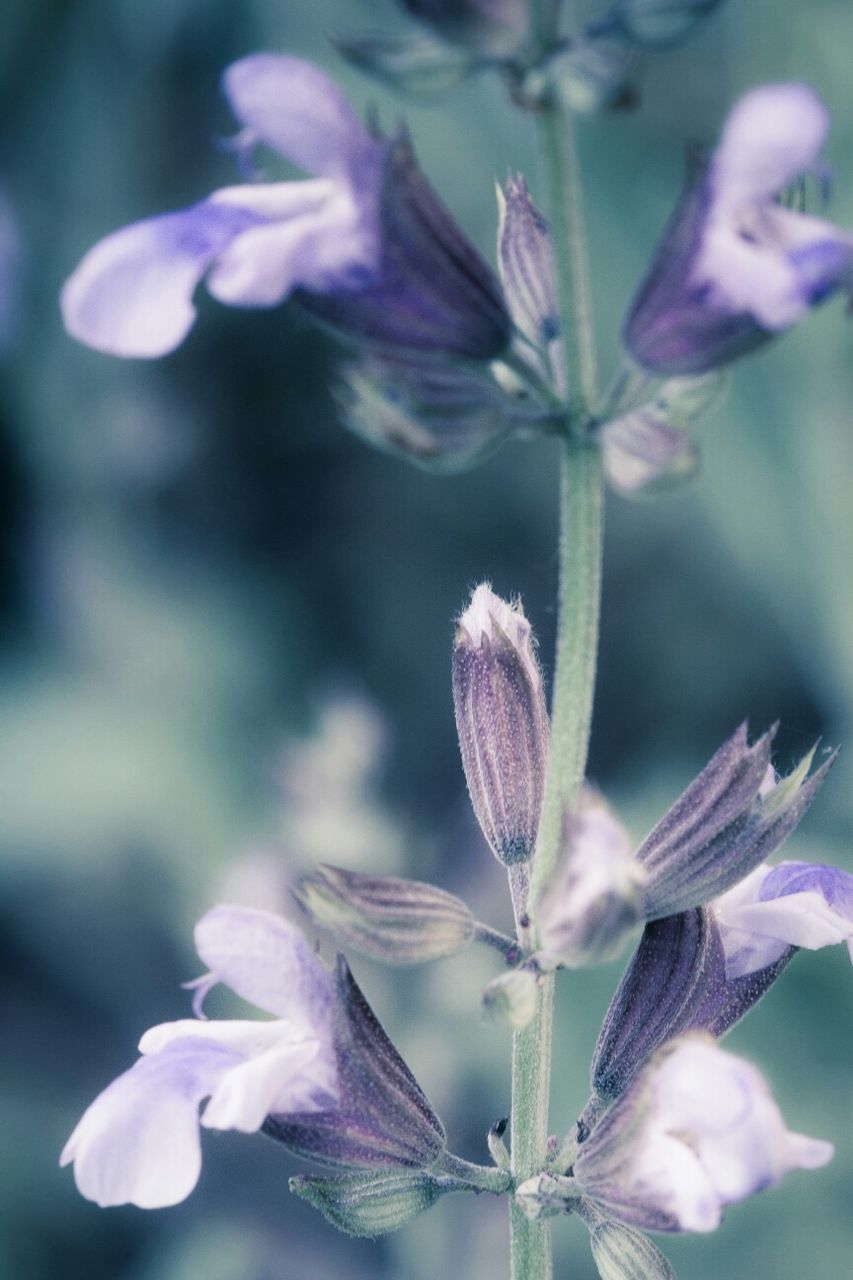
(502, 722)
(621, 1253)
(440, 416)
(371, 1204)
(526, 264)
(511, 998)
(387, 918)
(594, 900)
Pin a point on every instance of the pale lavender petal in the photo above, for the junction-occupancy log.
(296, 109)
(772, 136)
(266, 960)
(288, 1078)
(138, 1142)
(131, 295)
(310, 235)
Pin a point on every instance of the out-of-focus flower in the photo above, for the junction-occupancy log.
(502, 722)
(11, 267)
(697, 1131)
(139, 1140)
(735, 266)
(657, 24)
(366, 243)
(322, 1077)
(794, 904)
(489, 28)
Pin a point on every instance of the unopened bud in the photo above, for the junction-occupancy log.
(371, 1205)
(595, 898)
(544, 1196)
(621, 1253)
(502, 722)
(511, 998)
(387, 918)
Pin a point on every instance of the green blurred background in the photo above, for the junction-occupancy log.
(227, 624)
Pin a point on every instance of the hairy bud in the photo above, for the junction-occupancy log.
(502, 722)
(385, 917)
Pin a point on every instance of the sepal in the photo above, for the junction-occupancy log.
(372, 1204)
(502, 722)
(675, 973)
(725, 823)
(383, 1119)
(526, 264)
(387, 918)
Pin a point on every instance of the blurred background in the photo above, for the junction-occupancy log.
(226, 630)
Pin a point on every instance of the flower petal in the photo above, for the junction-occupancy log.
(310, 235)
(138, 1142)
(772, 136)
(266, 960)
(275, 1082)
(131, 295)
(296, 109)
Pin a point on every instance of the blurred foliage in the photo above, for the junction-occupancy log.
(227, 628)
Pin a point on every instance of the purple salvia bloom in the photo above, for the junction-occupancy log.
(138, 1142)
(795, 904)
(735, 267)
(352, 240)
(697, 1131)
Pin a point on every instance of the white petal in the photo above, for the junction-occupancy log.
(131, 295)
(772, 136)
(748, 276)
(797, 919)
(274, 1081)
(243, 1035)
(296, 109)
(667, 1175)
(138, 1142)
(266, 960)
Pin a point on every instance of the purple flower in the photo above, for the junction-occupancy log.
(734, 266)
(696, 1131)
(365, 242)
(795, 904)
(138, 1142)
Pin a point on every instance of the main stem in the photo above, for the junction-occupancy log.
(581, 528)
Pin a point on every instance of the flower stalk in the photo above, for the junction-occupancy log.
(580, 548)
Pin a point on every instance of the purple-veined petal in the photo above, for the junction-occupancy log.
(310, 235)
(138, 1142)
(131, 294)
(299, 111)
(526, 264)
(773, 135)
(266, 960)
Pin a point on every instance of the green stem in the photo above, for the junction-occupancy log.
(475, 1177)
(581, 529)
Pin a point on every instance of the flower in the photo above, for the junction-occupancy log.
(365, 242)
(489, 28)
(794, 904)
(138, 1142)
(734, 266)
(697, 1131)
